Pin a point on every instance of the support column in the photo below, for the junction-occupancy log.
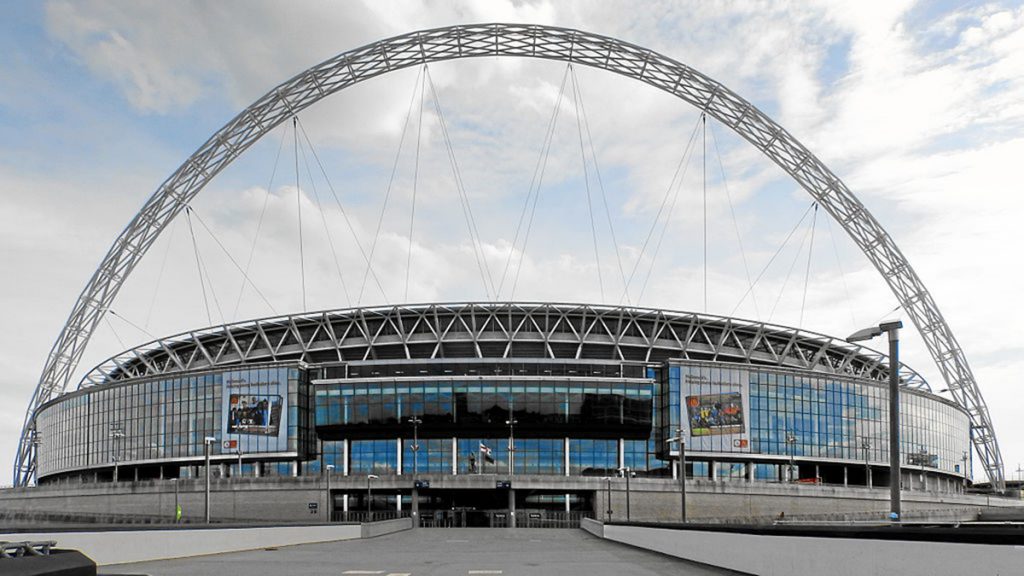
(846, 476)
(398, 441)
(712, 470)
(622, 453)
(512, 508)
(344, 453)
(455, 456)
(415, 507)
(750, 471)
(566, 454)
(344, 503)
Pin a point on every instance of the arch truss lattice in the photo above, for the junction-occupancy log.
(519, 40)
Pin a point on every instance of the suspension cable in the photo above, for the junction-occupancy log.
(704, 178)
(792, 266)
(467, 210)
(298, 206)
(160, 275)
(536, 179)
(344, 214)
(807, 274)
(661, 209)
(600, 183)
(327, 229)
(259, 224)
(677, 185)
(391, 181)
(114, 332)
(735, 224)
(415, 182)
(245, 277)
(130, 323)
(842, 272)
(772, 259)
(199, 267)
(586, 181)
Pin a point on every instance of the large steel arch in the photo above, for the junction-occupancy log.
(533, 41)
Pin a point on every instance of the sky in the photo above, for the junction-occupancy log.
(917, 106)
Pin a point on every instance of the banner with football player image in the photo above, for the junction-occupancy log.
(715, 408)
(255, 411)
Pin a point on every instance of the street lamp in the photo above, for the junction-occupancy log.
(791, 439)
(682, 471)
(116, 433)
(893, 331)
(865, 445)
(330, 468)
(177, 507)
(608, 498)
(369, 497)
(415, 421)
(511, 423)
(964, 469)
(207, 442)
(626, 472)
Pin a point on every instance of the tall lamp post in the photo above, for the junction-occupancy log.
(369, 497)
(116, 434)
(892, 329)
(207, 442)
(608, 498)
(511, 423)
(682, 470)
(415, 421)
(330, 500)
(626, 472)
(791, 440)
(964, 469)
(866, 445)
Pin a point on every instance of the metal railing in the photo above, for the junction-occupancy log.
(362, 516)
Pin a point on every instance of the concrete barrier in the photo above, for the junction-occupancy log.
(123, 546)
(772, 555)
(374, 529)
(595, 527)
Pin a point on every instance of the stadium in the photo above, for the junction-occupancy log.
(577, 391)
(501, 413)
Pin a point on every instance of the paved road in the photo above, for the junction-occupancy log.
(436, 552)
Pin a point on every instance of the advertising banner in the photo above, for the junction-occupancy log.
(715, 408)
(255, 411)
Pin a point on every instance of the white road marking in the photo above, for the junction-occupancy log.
(485, 572)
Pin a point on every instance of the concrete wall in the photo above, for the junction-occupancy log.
(121, 546)
(787, 555)
(658, 500)
(374, 529)
(288, 499)
(593, 526)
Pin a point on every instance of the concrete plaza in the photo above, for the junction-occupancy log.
(436, 552)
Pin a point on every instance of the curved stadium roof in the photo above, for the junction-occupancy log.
(496, 330)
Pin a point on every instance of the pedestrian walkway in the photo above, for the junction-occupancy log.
(435, 552)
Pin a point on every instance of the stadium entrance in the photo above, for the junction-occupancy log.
(470, 508)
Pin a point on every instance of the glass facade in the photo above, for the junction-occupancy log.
(807, 416)
(167, 420)
(739, 422)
